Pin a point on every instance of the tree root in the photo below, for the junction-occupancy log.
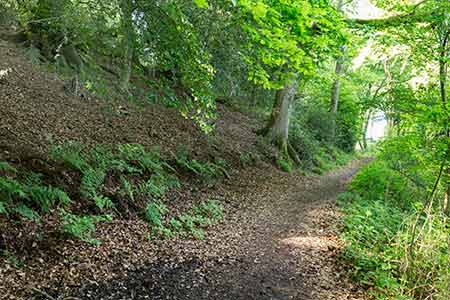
(293, 154)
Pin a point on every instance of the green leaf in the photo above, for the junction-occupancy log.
(259, 10)
(3, 209)
(27, 212)
(201, 3)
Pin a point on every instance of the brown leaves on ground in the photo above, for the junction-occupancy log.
(276, 241)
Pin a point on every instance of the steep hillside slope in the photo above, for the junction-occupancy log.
(240, 258)
(37, 112)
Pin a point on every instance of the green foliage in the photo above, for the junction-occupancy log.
(426, 266)
(12, 259)
(190, 223)
(81, 227)
(142, 172)
(154, 213)
(249, 158)
(91, 182)
(377, 181)
(46, 196)
(24, 197)
(285, 164)
(290, 35)
(145, 160)
(211, 211)
(26, 212)
(208, 172)
(71, 154)
(5, 167)
(10, 188)
(103, 202)
(304, 144)
(158, 185)
(193, 221)
(390, 244)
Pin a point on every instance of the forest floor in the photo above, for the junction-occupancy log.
(280, 242)
(284, 245)
(277, 239)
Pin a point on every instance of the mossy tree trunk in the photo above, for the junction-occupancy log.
(277, 129)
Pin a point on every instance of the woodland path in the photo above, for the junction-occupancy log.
(281, 246)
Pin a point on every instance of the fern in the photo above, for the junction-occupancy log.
(81, 227)
(27, 212)
(154, 213)
(127, 188)
(91, 181)
(46, 196)
(103, 202)
(207, 171)
(10, 188)
(3, 208)
(101, 157)
(147, 160)
(158, 185)
(71, 154)
(211, 211)
(4, 166)
(122, 166)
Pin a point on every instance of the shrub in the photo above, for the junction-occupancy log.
(304, 144)
(377, 181)
(425, 267)
(385, 250)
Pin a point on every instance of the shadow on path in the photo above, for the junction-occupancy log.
(287, 251)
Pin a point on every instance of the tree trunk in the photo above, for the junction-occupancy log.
(278, 127)
(336, 88)
(126, 7)
(126, 71)
(365, 127)
(335, 92)
(443, 72)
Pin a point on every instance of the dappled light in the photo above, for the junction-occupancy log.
(225, 149)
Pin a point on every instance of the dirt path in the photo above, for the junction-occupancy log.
(282, 246)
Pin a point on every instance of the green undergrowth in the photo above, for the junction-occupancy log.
(208, 172)
(190, 223)
(328, 158)
(323, 160)
(380, 215)
(106, 183)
